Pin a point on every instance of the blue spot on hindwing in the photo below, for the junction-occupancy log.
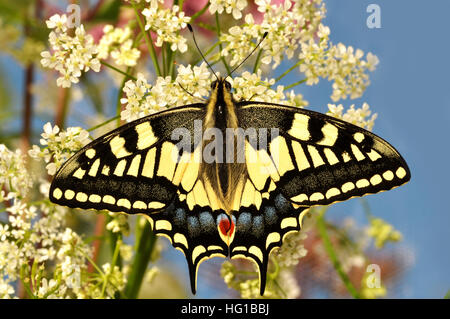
(179, 218)
(243, 222)
(258, 226)
(282, 204)
(270, 215)
(193, 226)
(207, 222)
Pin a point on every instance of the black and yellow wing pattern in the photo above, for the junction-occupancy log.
(137, 169)
(314, 160)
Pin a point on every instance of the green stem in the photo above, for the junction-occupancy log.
(103, 124)
(115, 240)
(206, 26)
(258, 58)
(148, 40)
(118, 70)
(288, 71)
(113, 264)
(322, 228)
(163, 56)
(295, 84)
(220, 44)
(89, 259)
(145, 242)
(199, 13)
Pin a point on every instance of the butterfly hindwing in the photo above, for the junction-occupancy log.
(261, 225)
(193, 231)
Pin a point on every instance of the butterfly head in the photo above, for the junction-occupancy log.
(221, 105)
(221, 84)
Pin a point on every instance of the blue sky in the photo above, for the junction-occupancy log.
(410, 91)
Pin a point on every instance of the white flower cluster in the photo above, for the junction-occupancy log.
(233, 7)
(193, 84)
(58, 145)
(35, 233)
(118, 43)
(36, 246)
(166, 23)
(12, 177)
(143, 99)
(70, 55)
(340, 64)
(251, 86)
(287, 25)
(361, 116)
(291, 251)
(118, 223)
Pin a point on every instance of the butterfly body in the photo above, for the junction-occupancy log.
(239, 188)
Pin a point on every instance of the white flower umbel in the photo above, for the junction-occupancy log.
(118, 43)
(58, 145)
(361, 117)
(166, 23)
(234, 7)
(69, 55)
(338, 63)
(143, 99)
(12, 177)
(287, 26)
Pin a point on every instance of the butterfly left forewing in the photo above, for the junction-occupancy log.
(128, 170)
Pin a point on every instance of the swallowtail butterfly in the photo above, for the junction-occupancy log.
(228, 207)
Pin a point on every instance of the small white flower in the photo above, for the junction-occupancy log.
(58, 22)
(118, 43)
(4, 232)
(233, 7)
(5, 289)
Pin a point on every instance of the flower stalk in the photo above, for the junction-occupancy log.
(322, 229)
(145, 243)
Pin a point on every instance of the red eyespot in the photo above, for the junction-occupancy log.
(226, 228)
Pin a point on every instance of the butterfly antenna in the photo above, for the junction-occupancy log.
(204, 59)
(251, 53)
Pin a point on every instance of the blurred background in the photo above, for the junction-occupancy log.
(410, 91)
